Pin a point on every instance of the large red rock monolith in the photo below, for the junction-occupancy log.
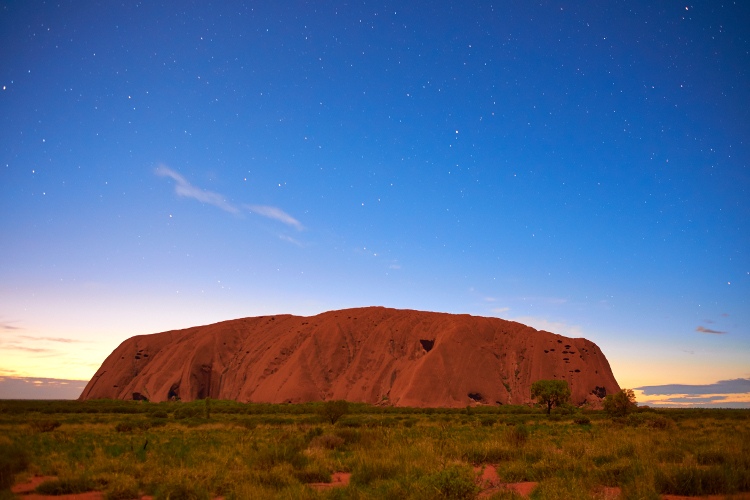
(371, 355)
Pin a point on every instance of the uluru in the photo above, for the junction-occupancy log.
(373, 355)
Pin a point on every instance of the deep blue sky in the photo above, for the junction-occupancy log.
(578, 168)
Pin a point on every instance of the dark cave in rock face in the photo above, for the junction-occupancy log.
(475, 396)
(427, 345)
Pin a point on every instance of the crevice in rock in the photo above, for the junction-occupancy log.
(427, 345)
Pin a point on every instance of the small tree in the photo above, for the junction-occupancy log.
(620, 404)
(333, 410)
(550, 392)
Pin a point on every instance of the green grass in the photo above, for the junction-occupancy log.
(171, 450)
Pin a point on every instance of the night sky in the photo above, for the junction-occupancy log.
(578, 168)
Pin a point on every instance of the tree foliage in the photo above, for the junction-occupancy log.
(620, 404)
(550, 392)
(334, 410)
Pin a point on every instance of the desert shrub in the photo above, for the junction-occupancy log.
(159, 414)
(635, 419)
(334, 410)
(44, 425)
(506, 494)
(132, 426)
(186, 412)
(278, 477)
(13, 459)
(181, 489)
(626, 450)
(409, 422)
(620, 404)
(561, 488)
(351, 422)
(488, 421)
(639, 489)
(710, 457)
(565, 409)
(247, 424)
(582, 420)
(69, 486)
(454, 483)
(368, 471)
(122, 488)
(349, 435)
(613, 473)
(554, 417)
(488, 454)
(313, 433)
(517, 435)
(327, 441)
(282, 453)
(670, 455)
(659, 422)
(308, 475)
(695, 481)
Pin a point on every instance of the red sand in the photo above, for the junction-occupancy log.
(488, 480)
(372, 355)
(26, 491)
(337, 479)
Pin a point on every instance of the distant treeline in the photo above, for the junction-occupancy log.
(229, 407)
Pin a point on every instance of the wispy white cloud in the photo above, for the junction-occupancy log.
(291, 240)
(184, 188)
(500, 309)
(48, 339)
(707, 330)
(275, 213)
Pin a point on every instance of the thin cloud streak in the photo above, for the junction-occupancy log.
(291, 240)
(275, 213)
(48, 339)
(184, 188)
(707, 330)
(28, 349)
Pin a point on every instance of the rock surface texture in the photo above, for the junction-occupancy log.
(372, 355)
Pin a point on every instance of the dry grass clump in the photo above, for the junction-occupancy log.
(44, 425)
(327, 441)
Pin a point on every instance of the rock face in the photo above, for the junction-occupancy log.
(372, 355)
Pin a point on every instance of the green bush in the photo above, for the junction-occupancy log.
(367, 472)
(453, 483)
(695, 481)
(44, 425)
(186, 412)
(69, 486)
(334, 410)
(582, 420)
(13, 459)
(517, 435)
(312, 476)
(122, 488)
(327, 441)
(160, 414)
(349, 435)
(409, 422)
(181, 489)
(282, 453)
(488, 421)
(132, 426)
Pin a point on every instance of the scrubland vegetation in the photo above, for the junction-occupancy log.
(198, 451)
